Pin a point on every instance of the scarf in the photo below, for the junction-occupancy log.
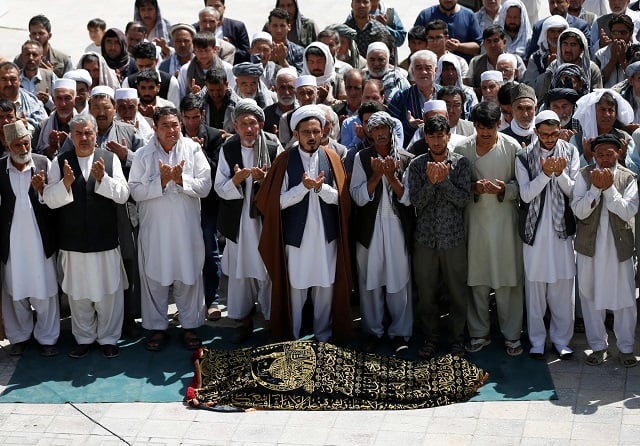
(519, 44)
(515, 127)
(195, 72)
(107, 75)
(560, 150)
(120, 62)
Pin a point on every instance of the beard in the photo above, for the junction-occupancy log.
(21, 158)
(286, 100)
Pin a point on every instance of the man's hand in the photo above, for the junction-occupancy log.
(607, 179)
(586, 149)
(146, 110)
(166, 173)
(279, 54)
(200, 141)
(413, 122)
(382, 18)
(176, 173)
(452, 44)
(377, 165)
(604, 38)
(97, 169)
(43, 96)
(258, 173)
(548, 165)
(38, 182)
(120, 150)
(323, 93)
(56, 139)
(164, 46)
(311, 183)
(566, 134)
(240, 175)
(561, 164)
(359, 131)
(68, 176)
(437, 172)
(389, 167)
(195, 89)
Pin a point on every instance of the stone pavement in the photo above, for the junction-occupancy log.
(596, 405)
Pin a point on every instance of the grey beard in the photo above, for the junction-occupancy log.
(21, 158)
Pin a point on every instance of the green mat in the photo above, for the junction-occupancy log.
(140, 375)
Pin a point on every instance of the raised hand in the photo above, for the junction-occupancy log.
(166, 173)
(38, 182)
(68, 176)
(97, 170)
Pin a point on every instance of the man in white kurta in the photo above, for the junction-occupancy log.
(494, 248)
(94, 280)
(28, 274)
(546, 173)
(383, 261)
(243, 161)
(168, 177)
(605, 202)
(312, 264)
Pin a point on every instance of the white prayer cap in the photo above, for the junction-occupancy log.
(261, 36)
(63, 83)
(289, 70)
(491, 75)
(103, 89)
(508, 57)
(80, 75)
(378, 46)
(307, 111)
(546, 115)
(632, 69)
(306, 79)
(14, 130)
(126, 93)
(434, 105)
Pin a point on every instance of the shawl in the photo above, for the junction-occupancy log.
(107, 75)
(121, 62)
(162, 27)
(519, 44)
(272, 250)
(586, 111)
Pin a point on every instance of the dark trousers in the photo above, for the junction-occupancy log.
(211, 269)
(431, 269)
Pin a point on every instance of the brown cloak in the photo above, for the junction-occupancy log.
(272, 250)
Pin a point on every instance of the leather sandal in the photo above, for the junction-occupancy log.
(191, 340)
(157, 341)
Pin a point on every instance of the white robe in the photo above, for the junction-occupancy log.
(314, 262)
(170, 240)
(550, 258)
(90, 275)
(602, 279)
(387, 259)
(241, 260)
(28, 273)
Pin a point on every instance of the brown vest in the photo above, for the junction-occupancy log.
(585, 242)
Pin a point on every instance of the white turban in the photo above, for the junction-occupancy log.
(80, 75)
(491, 75)
(546, 115)
(126, 93)
(378, 46)
(307, 111)
(508, 57)
(586, 111)
(103, 89)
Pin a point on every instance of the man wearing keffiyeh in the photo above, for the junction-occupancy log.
(546, 172)
(383, 220)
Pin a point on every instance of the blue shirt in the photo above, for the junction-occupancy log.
(463, 25)
(348, 135)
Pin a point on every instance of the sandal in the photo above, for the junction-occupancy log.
(457, 349)
(514, 348)
(628, 360)
(597, 357)
(191, 340)
(477, 344)
(427, 350)
(157, 341)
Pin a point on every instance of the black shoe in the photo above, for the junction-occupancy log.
(372, 343)
(49, 350)
(132, 329)
(80, 351)
(110, 350)
(18, 348)
(400, 346)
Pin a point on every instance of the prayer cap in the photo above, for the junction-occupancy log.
(632, 69)
(606, 138)
(14, 130)
(508, 57)
(126, 93)
(307, 111)
(103, 89)
(522, 91)
(344, 30)
(378, 46)
(491, 75)
(289, 70)
(546, 115)
(80, 75)
(562, 93)
(306, 79)
(434, 105)
(248, 69)
(63, 83)
(183, 26)
(261, 36)
(244, 106)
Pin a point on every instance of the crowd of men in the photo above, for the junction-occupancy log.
(475, 171)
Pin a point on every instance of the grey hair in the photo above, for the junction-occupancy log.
(83, 120)
(333, 117)
(423, 54)
(210, 10)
